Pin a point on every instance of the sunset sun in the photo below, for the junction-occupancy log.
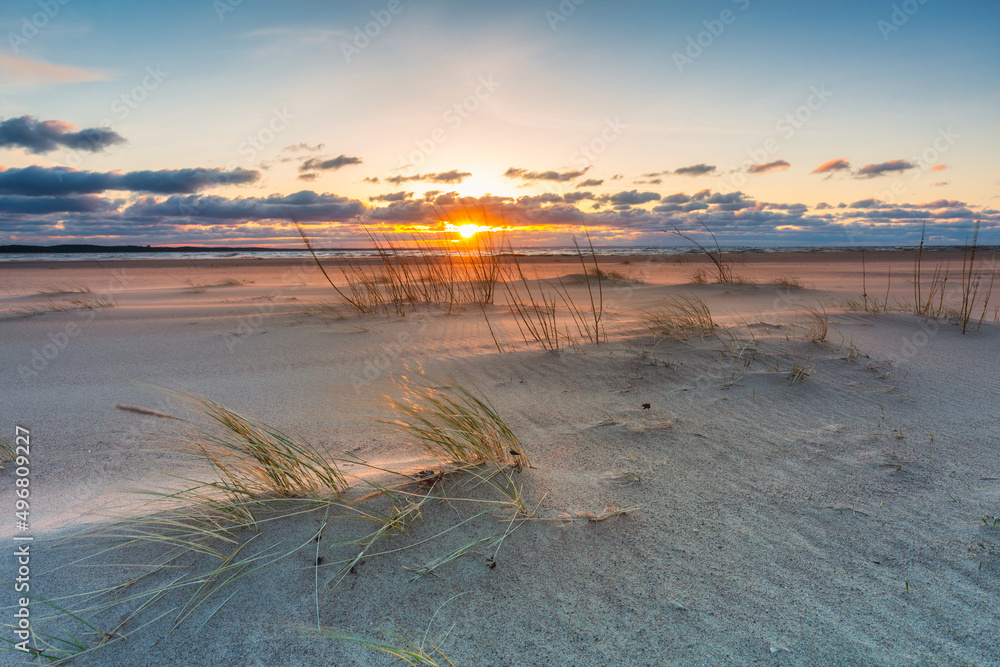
(467, 231)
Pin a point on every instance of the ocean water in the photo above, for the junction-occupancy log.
(304, 254)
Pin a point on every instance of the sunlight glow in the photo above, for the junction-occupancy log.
(466, 231)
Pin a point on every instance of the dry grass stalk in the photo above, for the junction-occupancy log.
(680, 318)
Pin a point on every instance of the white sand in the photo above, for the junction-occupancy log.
(831, 521)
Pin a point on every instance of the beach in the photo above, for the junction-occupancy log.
(813, 479)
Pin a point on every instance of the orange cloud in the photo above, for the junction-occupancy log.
(836, 164)
(939, 167)
(768, 166)
(16, 70)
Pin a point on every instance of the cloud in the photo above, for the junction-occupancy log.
(46, 136)
(557, 176)
(939, 167)
(679, 198)
(17, 70)
(866, 203)
(938, 184)
(548, 218)
(652, 181)
(305, 206)
(837, 164)
(767, 166)
(319, 164)
(630, 198)
(695, 170)
(878, 169)
(392, 196)
(370, 179)
(45, 205)
(60, 181)
(453, 176)
(940, 203)
(295, 148)
(589, 183)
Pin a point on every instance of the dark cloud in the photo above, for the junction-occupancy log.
(46, 136)
(880, 168)
(767, 166)
(392, 196)
(837, 164)
(866, 203)
(319, 164)
(44, 205)
(60, 181)
(940, 203)
(370, 179)
(306, 206)
(652, 181)
(679, 198)
(630, 198)
(557, 176)
(589, 183)
(453, 176)
(308, 177)
(617, 177)
(695, 170)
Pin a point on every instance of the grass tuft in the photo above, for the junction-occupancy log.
(680, 318)
(819, 324)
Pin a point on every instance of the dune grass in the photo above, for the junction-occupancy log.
(84, 302)
(7, 451)
(243, 480)
(435, 269)
(723, 265)
(537, 312)
(975, 290)
(680, 318)
(462, 430)
(818, 324)
(789, 283)
(404, 649)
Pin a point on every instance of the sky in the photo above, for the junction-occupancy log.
(219, 122)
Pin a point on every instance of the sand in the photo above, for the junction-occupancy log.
(835, 520)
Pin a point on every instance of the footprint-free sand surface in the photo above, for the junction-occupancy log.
(844, 519)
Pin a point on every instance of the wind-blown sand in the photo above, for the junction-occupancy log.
(837, 520)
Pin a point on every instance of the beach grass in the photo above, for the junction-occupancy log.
(248, 479)
(818, 324)
(680, 318)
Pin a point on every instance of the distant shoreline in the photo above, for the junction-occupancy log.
(92, 249)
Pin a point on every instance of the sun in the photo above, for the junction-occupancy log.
(467, 231)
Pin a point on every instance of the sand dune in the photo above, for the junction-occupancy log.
(789, 501)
